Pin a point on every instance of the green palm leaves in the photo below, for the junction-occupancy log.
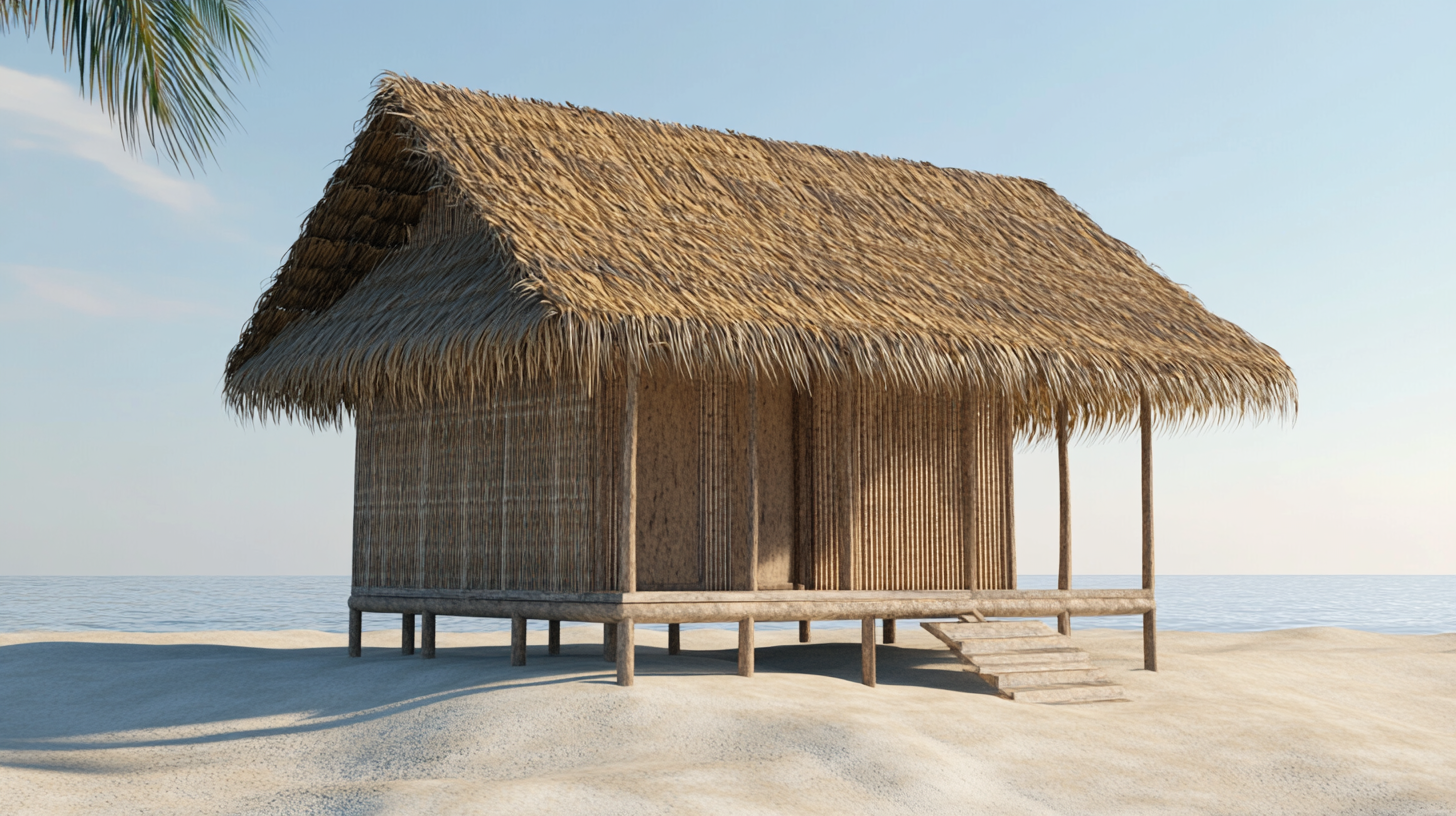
(161, 68)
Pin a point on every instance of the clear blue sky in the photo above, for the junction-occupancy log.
(1291, 163)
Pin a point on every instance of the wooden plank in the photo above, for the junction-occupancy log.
(553, 637)
(803, 631)
(356, 632)
(626, 652)
(627, 486)
(745, 647)
(674, 638)
(407, 633)
(846, 434)
(887, 631)
(669, 546)
(753, 479)
(867, 651)
(1150, 628)
(518, 640)
(427, 635)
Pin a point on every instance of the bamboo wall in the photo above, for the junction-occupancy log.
(915, 489)
(514, 491)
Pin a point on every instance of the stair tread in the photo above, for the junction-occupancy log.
(994, 629)
(1069, 693)
(1019, 680)
(1027, 661)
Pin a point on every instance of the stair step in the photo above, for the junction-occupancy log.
(1074, 693)
(996, 629)
(1040, 679)
(1061, 656)
(1010, 644)
(1015, 668)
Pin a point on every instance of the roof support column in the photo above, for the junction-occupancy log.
(627, 485)
(753, 505)
(1064, 527)
(1150, 619)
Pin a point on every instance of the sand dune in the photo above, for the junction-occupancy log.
(1309, 721)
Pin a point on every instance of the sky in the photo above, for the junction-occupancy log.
(1290, 163)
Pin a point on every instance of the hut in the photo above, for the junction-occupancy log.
(607, 369)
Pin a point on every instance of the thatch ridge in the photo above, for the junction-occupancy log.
(578, 238)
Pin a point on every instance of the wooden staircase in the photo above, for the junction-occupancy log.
(1027, 661)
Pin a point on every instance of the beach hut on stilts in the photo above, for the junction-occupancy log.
(607, 369)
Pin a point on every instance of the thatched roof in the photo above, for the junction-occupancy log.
(469, 237)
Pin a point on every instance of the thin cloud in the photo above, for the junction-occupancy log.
(53, 116)
(43, 287)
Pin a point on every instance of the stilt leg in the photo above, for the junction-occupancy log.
(407, 633)
(626, 652)
(745, 647)
(867, 651)
(674, 638)
(609, 642)
(518, 640)
(1150, 641)
(887, 632)
(427, 635)
(356, 633)
(803, 631)
(1064, 623)
(553, 637)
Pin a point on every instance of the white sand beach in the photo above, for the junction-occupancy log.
(1308, 721)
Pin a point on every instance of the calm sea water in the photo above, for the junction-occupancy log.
(1210, 603)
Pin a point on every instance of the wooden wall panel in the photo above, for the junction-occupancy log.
(669, 484)
(776, 484)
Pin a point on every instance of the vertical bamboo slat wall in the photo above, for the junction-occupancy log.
(514, 491)
(917, 475)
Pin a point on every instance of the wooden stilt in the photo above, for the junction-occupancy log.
(803, 631)
(674, 638)
(427, 635)
(407, 633)
(518, 640)
(553, 637)
(626, 652)
(609, 642)
(867, 651)
(1064, 491)
(1150, 621)
(745, 647)
(356, 633)
(887, 631)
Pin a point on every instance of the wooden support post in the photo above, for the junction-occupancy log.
(753, 505)
(674, 638)
(553, 637)
(803, 631)
(1150, 620)
(609, 642)
(848, 435)
(1064, 529)
(427, 635)
(627, 486)
(626, 652)
(867, 651)
(518, 640)
(407, 633)
(887, 631)
(745, 647)
(356, 633)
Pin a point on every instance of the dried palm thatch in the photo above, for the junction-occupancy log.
(470, 237)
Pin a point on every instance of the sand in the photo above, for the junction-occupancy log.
(1307, 721)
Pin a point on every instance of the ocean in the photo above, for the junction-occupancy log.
(1398, 604)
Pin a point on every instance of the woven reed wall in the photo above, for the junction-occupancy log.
(921, 482)
(514, 491)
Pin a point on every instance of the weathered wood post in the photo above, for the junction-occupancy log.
(745, 647)
(518, 640)
(867, 651)
(674, 638)
(609, 642)
(846, 436)
(553, 637)
(753, 501)
(1150, 619)
(407, 633)
(627, 486)
(803, 631)
(887, 631)
(356, 633)
(626, 652)
(1064, 529)
(427, 635)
